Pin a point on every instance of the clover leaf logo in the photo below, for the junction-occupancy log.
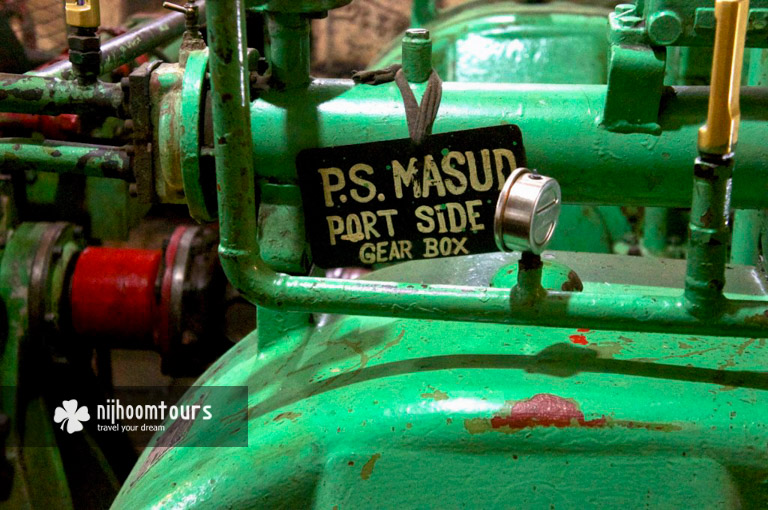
(70, 414)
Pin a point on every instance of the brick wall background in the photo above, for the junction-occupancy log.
(349, 38)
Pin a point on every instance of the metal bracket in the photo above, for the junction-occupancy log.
(140, 110)
(635, 85)
(202, 205)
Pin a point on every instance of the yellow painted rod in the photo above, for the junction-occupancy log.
(721, 132)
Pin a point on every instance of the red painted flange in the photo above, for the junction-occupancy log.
(113, 292)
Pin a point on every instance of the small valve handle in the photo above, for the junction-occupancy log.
(175, 7)
(189, 10)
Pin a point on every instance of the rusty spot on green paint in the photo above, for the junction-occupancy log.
(684, 345)
(606, 350)
(478, 425)
(436, 395)
(287, 416)
(408, 425)
(448, 421)
(743, 347)
(686, 355)
(760, 319)
(367, 470)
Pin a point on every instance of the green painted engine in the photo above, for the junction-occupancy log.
(492, 380)
(387, 413)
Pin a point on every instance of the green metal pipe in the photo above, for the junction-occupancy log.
(625, 312)
(423, 12)
(238, 249)
(242, 263)
(18, 154)
(52, 96)
(655, 230)
(745, 238)
(561, 132)
(289, 36)
(709, 234)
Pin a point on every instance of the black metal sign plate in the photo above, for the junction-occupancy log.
(392, 201)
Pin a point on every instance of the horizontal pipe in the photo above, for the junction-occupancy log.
(124, 48)
(17, 154)
(624, 312)
(561, 132)
(53, 96)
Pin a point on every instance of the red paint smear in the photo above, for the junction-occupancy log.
(582, 330)
(545, 410)
(579, 339)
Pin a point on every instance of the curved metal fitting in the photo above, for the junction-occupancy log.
(527, 212)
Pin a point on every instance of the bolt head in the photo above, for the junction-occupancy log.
(664, 27)
(418, 33)
(83, 43)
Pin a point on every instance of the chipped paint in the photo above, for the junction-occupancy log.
(436, 395)
(606, 350)
(367, 470)
(287, 416)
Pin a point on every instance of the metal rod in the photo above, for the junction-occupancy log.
(53, 96)
(709, 235)
(232, 134)
(655, 230)
(19, 154)
(241, 260)
(746, 237)
(124, 48)
(423, 12)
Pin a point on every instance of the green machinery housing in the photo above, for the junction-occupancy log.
(570, 379)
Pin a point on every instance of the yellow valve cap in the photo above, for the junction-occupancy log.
(721, 132)
(83, 13)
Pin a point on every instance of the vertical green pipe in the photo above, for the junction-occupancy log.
(289, 36)
(655, 230)
(746, 233)
(423, 12)
(708, 244)
(232, 136)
